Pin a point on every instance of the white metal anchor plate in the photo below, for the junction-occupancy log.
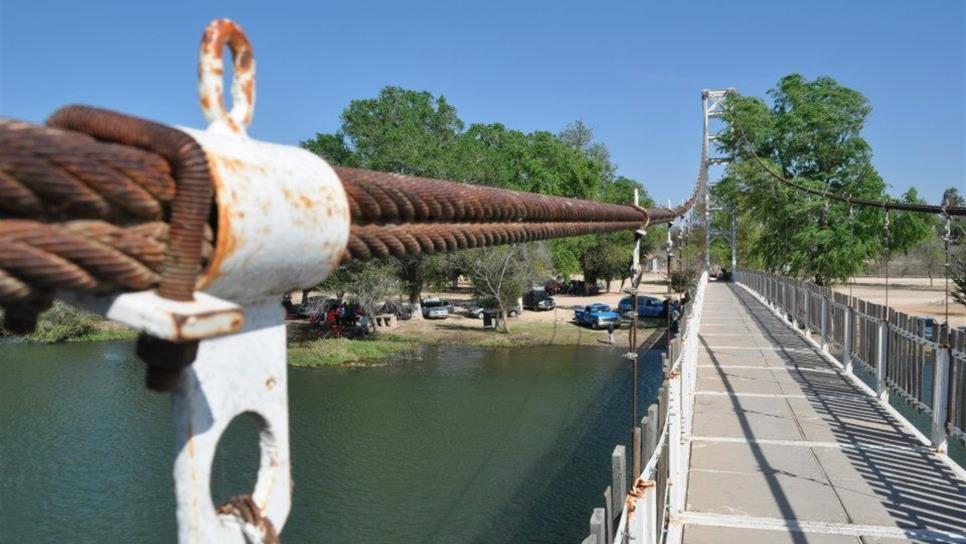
(243, 373)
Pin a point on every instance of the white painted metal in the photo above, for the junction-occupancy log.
(283, 223)
(734, 240)
(848, 335)
(283, 218)
(243, 373)
(940, 401)
(807, 314)
(824, 324)
(882, 342)
(145, 311)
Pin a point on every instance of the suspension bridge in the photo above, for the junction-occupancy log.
(776, 421)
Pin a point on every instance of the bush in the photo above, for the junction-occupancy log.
(683, 280)
(62, 323)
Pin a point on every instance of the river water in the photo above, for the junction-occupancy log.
(455, 445)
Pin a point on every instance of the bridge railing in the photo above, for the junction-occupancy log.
(922, 364)
(658, 492)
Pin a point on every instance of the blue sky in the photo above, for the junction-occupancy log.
(633, 71)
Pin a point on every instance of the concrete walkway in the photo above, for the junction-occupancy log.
(786, 449)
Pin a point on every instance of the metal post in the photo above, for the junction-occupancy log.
(847, 338)
(705, 142)
(636, 273)
(940, 393)
(824, 323)
(880, 359)
(807, 319)
(675, 446)
(734, 240)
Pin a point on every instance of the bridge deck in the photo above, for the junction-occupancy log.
(785, 448)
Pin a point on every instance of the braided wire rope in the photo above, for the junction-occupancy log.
(90, 204)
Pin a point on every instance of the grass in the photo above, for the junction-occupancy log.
(63, 323)
(342, 351)
(376, 349)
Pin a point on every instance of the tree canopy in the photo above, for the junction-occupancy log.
(812, 134)
(416, 133)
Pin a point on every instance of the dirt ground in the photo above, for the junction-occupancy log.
(913, 296)
(531, 327)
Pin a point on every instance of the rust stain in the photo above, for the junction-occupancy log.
(637, 492)
(248, 88)
(270, 383)
(233, 165)
(226, 242)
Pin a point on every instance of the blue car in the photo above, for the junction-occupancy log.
(646, 306)
(597, 315)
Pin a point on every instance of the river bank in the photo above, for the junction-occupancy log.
(409, 336)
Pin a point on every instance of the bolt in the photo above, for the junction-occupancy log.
(165, 360)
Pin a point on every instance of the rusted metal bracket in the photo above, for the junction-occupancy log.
(281, 223)
(173, 320)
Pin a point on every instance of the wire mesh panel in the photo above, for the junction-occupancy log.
(910, 349)
(800, 309)
(815, 295)
(838, 306)
(867, 316)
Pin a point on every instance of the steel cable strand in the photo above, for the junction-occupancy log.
(46, 171)
(377, 197)
(192, 199)
(884, 204)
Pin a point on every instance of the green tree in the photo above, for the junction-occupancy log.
(331, 147)
(403, 131)
(811, 134)
(500, 275)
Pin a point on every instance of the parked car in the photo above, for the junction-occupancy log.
(597, 315)
(398, 309)
(433, 308)
(538, 300)
(512, 311)
(477, 311)
(553, 287)
(583, 288)
(929, 328)
(646, 306)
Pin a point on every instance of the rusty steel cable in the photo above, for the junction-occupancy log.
(942, 209)
(100, 202)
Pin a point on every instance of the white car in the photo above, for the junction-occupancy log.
(435, 309)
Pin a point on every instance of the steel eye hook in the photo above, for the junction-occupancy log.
(211, 69)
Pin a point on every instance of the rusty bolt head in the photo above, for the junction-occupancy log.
(165, 360)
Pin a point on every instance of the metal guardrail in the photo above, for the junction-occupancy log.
(927, 369)
(658, 492)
